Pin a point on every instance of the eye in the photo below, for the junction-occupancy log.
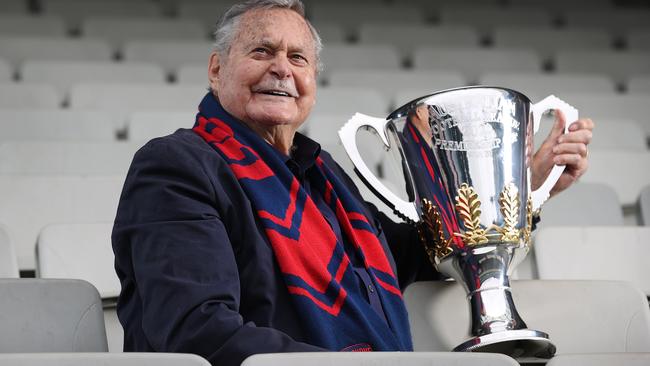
(261, 51)
(299, 58)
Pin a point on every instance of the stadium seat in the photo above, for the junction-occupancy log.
(193, 73)
(34, 96)
(75, 11)
(143, 126)
(617, 65)
(638, 39)
(348, 14)
(83, 251)
(66, 157)
(50, 316)
(18, 49)
(65, 74)
(30, 203)
(486, 18)
(104, 359)
(616, 21)
(388, 82)
(6, 74)
(348, 101)
(579, 316)
(644, 203)
(32, 26)
(475, 62)
(625, 171)
(343, 56)
(331, 33)
(541, 85)
(601, 359)
(56, 125)
(635, 107)
(207, 13)
(379, 358)
(594, 253)
(8, 263)
(583, 204)
(122, 100)
(639, 84)
(547, 41)
(118, 30)
(407, 37)
(170, 55)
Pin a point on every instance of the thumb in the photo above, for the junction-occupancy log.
(558, 124)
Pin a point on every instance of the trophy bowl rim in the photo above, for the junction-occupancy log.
(403, 110)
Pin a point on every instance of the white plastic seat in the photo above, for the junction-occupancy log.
(50, 316)
(473, 62)
(601, 359)
(380, 358)
(617, 65)
(579, 316)
(594, 253)
(65, 74)
(206, 12)
(349, 14)
(639, 84)
(83, 251)
(5, 71)
(407, 37)
(616, 20)
(30, 203)
(66, 157)
(638, 39)
(486, 18)
(8, 262)
(14, 6)
(347, 101)
(34, 96)
(192, 73)
(56, 125)
(542, 85)
(74, 11)
(343, 56)
(547, 41)
(635, 107)
(170, 54)
(143, 126)
(18, 49)
(104, 359)
(122, 100)
(387, 82)
(594, 204)
(33, 26)
(644, 205)
(117, 30)
(625, 171)
(331, 33)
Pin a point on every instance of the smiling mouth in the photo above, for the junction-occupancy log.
(276, 93)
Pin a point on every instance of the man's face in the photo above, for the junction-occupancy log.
(269, 76)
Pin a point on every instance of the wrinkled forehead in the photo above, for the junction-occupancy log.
(276, 26)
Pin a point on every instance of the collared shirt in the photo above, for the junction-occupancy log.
(198, 274)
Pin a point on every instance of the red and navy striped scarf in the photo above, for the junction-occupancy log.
(316, 269)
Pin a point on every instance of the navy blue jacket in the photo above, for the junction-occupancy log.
(197, 273)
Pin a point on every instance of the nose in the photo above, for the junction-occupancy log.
(280, 67)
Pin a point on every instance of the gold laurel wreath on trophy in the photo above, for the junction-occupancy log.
(468, 205)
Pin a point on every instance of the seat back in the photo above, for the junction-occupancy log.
(39, 315)
(644, 205)
(105, 359)
(601, 359)
(579, 316)
(379, 358)
(8, 262)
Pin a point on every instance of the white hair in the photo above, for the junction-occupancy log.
(228, 25)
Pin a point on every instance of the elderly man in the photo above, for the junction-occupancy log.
(240, 236)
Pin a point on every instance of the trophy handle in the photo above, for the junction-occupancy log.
(540, 195)
(348, 134)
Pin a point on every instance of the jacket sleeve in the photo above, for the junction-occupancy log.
(183, 263)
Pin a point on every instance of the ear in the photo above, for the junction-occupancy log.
(213, 71)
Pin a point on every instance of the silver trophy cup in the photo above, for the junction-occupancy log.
(466, 160)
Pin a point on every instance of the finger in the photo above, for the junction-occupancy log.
(582, 124)
(570, 148)
(570, 159)
(580, 136)
(558, 124)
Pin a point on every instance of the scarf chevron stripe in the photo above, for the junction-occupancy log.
(315, 266)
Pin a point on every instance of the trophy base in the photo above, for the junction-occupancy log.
(522, 343)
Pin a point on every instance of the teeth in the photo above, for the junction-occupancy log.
(279, 93)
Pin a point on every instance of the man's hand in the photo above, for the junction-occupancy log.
(568, 149)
